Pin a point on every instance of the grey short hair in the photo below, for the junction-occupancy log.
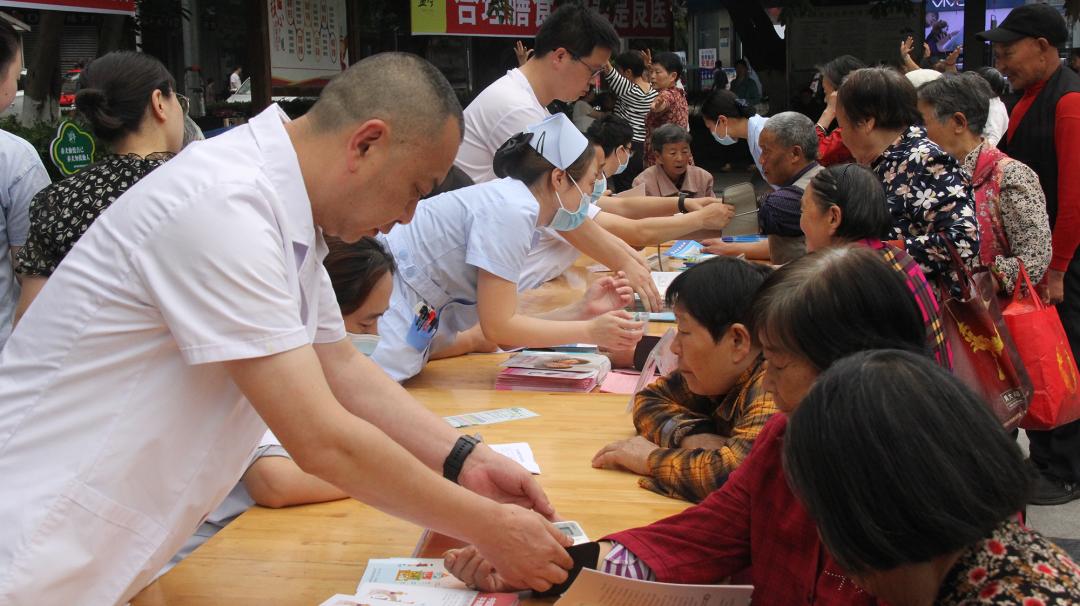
(668, 134)
(403, 89)
(965, 93)
(794, 129)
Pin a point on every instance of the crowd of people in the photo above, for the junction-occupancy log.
(206, 326)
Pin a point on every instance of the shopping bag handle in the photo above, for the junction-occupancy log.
(1023, 279)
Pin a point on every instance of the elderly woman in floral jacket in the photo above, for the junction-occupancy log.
(1010, 206)
(928, 194)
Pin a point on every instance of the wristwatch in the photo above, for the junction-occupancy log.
(464, 446)
(682, 202)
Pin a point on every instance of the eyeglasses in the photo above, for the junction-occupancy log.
(596, 71)
(184, 103)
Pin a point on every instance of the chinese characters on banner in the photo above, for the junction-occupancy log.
(631, 18)
(308, 43)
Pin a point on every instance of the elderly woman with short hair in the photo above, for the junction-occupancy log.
(926, 191)
(1010, 206)
(915, 488)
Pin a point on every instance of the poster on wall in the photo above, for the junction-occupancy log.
(631, 18)
(308, 42)
(121, 7)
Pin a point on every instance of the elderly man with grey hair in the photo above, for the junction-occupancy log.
(789, 149)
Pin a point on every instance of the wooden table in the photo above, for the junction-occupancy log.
(303, 555)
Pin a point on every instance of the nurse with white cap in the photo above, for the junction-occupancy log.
(460, 258)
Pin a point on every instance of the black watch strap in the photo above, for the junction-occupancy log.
(464, 446)
(682, 202)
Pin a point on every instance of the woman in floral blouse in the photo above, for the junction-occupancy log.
(130, 101)
(927, 192)
(917, 501)
(1009, 202)
(670, 106)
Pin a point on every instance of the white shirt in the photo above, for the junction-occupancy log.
(120, 429)
(237, 502)
(499, 112)
(549, 257)
(754, 126)
(487, 226)
(23, 176)
(997, 122)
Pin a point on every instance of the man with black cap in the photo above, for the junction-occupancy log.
(1044, 133)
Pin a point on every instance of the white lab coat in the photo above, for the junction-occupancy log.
(120, 429)
(487, 226)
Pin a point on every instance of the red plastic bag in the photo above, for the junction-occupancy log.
(1040, 339)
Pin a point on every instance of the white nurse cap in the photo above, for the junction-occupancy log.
(557, 140)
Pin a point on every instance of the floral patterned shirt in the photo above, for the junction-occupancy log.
(930, 200)
(675, 111)
(62, 212)
(1015, 566)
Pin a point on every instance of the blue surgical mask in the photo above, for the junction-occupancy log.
(565, 220)
(623, 165)
(598, 189)
(365, 344)
(726, 139)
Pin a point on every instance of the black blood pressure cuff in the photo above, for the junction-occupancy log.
(643, 349)
(585, 555)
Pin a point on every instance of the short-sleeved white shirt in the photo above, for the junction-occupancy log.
(21, 177)
(754, 126)
(499, 112)
(549, 257)
(120, 430)
(487, 226)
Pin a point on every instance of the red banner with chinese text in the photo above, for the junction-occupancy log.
(125, 7)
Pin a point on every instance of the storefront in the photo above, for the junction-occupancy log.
(473, 47)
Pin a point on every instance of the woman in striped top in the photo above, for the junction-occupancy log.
(634, 98)
(670, 105)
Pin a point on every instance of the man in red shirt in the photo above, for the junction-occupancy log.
(1044, 133)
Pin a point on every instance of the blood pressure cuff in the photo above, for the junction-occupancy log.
(780, 211)
(585, 555)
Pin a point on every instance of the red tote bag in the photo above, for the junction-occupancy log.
(1040, 339)
(983, 355)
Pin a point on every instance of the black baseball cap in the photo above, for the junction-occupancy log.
(1030, 21)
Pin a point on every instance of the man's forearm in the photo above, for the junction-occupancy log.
(368, 392)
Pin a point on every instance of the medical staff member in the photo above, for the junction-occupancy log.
(723, 113)
(461, 256)
(552, 255)
(361, 274)
(195, 312)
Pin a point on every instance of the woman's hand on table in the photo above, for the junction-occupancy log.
(631, 455)
(717, 246)
(525, 549)
(607, 294)
(615, 330)
(468, 565)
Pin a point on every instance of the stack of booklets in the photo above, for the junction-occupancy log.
(553, 372)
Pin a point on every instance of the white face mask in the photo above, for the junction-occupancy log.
(726, 139)
(365, 344)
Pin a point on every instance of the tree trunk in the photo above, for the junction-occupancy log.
(42, 98)
(111, 36)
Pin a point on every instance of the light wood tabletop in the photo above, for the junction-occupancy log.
(303, 555)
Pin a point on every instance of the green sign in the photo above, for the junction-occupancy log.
(72, 149)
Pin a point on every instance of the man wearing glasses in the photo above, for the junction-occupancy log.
(573, 47)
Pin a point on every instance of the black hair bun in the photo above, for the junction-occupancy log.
(510, 152)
